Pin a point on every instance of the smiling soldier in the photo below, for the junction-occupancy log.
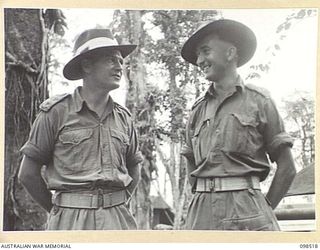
(230, 132)
(87, 143)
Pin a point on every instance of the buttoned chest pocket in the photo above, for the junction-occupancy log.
(120, 144)
(199, 142)
(74, 150)
(75, 137)
(241, 134)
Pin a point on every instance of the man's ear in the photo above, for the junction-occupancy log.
(85, 65)
(232, 54)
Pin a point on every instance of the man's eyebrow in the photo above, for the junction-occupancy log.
(117, 55)
(114, 56)
(202, 48)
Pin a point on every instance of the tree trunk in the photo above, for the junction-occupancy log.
(25, 89)
(138, 80)
(129, 27)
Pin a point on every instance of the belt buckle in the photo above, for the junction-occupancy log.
(100, 198)
(212, 184)
(215, 184)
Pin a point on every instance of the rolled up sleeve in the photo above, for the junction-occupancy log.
(187, 152)
(186, 149)
(134, 155)
(275, 135)
(40, 143)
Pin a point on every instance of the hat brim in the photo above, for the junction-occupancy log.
(72, 70)
(241, 36)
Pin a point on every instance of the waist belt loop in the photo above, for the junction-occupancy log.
(100, 198)
(106, 201)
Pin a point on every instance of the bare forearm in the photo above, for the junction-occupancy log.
(134, 172)
(283, 178)
(190, 168)
(39, 192)
(30, 177)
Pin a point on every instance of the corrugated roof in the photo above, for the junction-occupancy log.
(303, 183)
(159, 203)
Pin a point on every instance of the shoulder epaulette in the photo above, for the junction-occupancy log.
(123, 108)
(262, 91)
(197, 102)
(50, 102)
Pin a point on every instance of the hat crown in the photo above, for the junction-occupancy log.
(92, 34)
(89, 41)
(238, 34)
(202, 24)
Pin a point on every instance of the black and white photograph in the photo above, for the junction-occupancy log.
(160, 119)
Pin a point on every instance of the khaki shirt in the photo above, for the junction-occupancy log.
(232, 136)
(79, 149)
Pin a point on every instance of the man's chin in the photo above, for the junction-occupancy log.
(114, 86)
(211, 78)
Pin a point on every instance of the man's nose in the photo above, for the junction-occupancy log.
(200, 60)
(118, 65)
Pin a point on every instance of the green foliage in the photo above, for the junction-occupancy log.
(299, 108)
(55, 21)
(56, 43)
(295, 17)
(176, 26)
(282, 31)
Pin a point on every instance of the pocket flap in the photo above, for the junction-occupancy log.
(75, 136)
(120, 136)
(199, 127)
(245, 120)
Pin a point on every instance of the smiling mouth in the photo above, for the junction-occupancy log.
(117, 76)
(206, 68)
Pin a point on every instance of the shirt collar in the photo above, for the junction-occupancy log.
(239, 86)
(78, 101)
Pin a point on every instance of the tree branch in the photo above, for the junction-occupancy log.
(16, 62)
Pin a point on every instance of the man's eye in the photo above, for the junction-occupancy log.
(206, 51)
(115, 60)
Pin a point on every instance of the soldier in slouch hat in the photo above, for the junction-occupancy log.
(232, 132)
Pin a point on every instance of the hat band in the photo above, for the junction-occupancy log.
(96, 43)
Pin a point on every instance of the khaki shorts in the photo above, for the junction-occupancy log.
(112, 218)
(242, 210)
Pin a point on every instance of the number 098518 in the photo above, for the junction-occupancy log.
(308, 246)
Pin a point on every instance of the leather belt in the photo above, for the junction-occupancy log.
(220, 184)
(98, 198)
